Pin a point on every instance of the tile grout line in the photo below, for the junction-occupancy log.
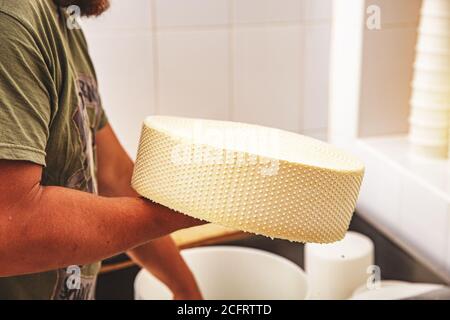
(242, 25)
(231, 61)
(156, 76)
(302, 64)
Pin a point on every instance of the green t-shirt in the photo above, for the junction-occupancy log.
(50, 110)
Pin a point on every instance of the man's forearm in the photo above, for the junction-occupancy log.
(56, 227)
(160, 256)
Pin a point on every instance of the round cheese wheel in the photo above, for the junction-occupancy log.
(256, 179)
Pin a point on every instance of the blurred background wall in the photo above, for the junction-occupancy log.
(268, 62)
(258, 61)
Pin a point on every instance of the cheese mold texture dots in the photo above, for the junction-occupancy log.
(256, 179)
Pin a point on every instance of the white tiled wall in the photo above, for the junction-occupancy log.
(387, 76)
(387, 70)
(376, 179)
(194, 73)
(189, 13)
(122, 46)
(316, 77)
(260, 61)
(267, 73)
(408, 198)
(371, 72)
(264, 11)
(315, 11)
(424, 222)
(122, 16)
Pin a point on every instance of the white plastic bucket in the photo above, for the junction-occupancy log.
(434, 134)
(436, 8)
(439, 63)
(428, 116)
(439, 80)
(425, 98)
(233, 273)
(434, 25)
(433, 44)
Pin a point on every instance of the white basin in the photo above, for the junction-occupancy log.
(233, 273)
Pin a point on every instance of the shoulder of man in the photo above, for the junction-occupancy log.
(20, 8)
(25, 12)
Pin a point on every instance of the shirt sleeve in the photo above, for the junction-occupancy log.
(25, 94)
(103, 119)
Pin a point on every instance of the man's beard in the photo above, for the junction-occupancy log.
(88, 7)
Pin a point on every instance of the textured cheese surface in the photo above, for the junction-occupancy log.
(252, 178)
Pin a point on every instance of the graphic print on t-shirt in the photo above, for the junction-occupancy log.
(89, 102)
(85, 118)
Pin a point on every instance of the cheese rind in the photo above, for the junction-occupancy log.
(297, 188)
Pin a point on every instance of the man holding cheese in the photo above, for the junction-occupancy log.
(65, 196)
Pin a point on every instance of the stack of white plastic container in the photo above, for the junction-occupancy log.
(430, 101)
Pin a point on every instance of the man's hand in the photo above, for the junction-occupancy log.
(188, 295)
(161, 257)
